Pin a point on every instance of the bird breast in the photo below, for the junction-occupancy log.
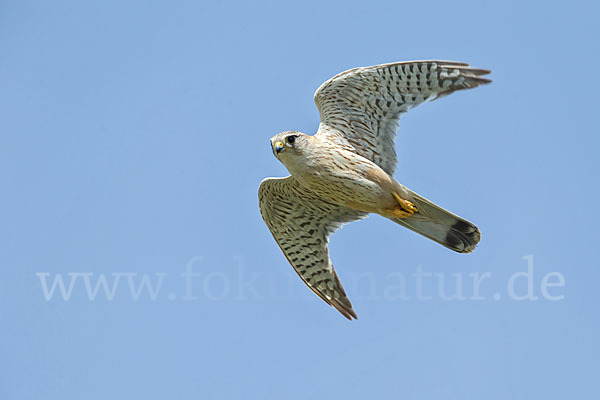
(344, 177)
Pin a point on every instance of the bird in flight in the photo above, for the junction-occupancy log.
(344, 172)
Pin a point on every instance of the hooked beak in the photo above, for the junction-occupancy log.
(278, 147)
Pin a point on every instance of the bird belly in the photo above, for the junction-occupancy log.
(352, 189)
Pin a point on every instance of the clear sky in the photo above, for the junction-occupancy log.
(134, 136)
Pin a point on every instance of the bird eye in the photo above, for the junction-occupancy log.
(291, 139)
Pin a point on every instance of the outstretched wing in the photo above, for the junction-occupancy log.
(364, 104)
(301, 224)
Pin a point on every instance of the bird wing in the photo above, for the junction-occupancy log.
(364, 104)
(301, 223)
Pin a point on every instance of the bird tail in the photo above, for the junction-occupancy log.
(440, 225)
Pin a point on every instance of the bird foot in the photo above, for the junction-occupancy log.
(404, 209)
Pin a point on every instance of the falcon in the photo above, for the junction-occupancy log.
(345, 171)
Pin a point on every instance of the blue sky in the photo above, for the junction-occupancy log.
(133, 139)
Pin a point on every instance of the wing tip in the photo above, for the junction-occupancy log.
(474, 76)
(345, 309)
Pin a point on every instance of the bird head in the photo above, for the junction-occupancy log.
(288, 144)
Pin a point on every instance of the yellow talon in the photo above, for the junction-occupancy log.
(404, 209)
